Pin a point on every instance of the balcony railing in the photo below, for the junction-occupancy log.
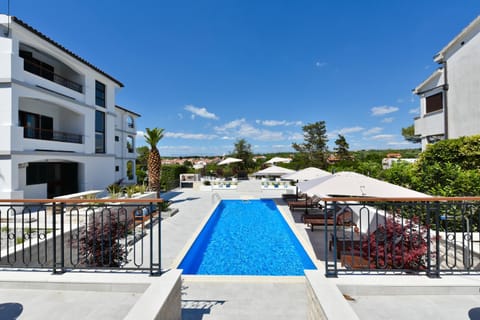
(121, 235)
(46, 73)
(431, 236)
(46, 134)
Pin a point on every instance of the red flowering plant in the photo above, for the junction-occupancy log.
(399, 244)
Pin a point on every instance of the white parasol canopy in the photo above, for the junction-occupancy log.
(273, 171)
(228, 161)
(356, 185)
(279, 160)
(306, 174)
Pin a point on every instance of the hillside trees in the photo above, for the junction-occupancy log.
(313, 152)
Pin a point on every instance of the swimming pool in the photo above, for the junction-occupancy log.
(246, 237)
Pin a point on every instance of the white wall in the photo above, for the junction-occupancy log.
(463, 67)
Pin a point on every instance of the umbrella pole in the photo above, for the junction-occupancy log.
(306, 204)
(296, 193)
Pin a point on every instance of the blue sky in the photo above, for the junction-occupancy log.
(212, 71)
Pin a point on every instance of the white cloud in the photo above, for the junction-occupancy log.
(274, 123)
(388, 120)
(414, 111)
(400, 143)
(295, 136)
(344, 131)
(383, 110)
(230, 125)
(140, 134)
(241, 128)
(373, 130)
(194, 136)
(319, 64)
(201, 112)
(383, 137)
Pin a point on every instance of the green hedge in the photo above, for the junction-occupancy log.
(171, 176)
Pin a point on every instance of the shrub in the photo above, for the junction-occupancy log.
(397, 245)
(100, 244)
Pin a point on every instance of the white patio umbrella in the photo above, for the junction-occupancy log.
(279, 160)
(274, 171)
(306, 174)
(356, 185)
(228, 161)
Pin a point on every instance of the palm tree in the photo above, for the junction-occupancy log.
(154, 161)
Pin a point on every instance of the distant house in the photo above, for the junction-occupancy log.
(450, 97)
(61, 131)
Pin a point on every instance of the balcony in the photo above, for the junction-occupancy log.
(46, 134)
(430, 124)
(40, 70)
(48, 67)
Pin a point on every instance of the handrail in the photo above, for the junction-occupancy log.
(45, 73)
(47, 134)
(99, 201)
(399, 199)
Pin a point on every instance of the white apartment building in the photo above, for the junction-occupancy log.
(58, 119)
(450, 97)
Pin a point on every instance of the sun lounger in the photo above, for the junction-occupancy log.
(313, 202)
(344, 217)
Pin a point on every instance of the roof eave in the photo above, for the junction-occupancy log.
(419, 88)
(440, 56)
(59, 46)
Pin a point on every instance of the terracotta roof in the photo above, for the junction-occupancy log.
(59, 46)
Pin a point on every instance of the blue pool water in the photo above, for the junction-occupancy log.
(246, 238)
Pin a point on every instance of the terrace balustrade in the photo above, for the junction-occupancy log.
(107, 234)
(431, 236)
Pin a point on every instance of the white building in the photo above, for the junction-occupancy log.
(58, 119)
(450, 97)
(125, 154)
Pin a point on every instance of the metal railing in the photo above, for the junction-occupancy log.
(80, 234)
(46, 73)
(47, 134)
(431, 236)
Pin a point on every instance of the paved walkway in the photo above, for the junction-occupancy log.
(226, 297)
(274, 298)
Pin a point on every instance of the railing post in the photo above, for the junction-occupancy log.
(331, 270)
(155, 267)
(433, 271)
(58, 266)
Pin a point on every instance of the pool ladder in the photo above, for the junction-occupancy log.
(215, 195)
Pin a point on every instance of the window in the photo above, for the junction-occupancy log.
(100, 94)
(130, 123)
(117, 168)
(36, 126)
(130, 144)
(99, 132)
(36, 66)
(117, 138)
(434, 102)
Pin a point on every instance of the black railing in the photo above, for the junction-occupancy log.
(121, 235)
(47, 134)
(431, 236)
(47, 73)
